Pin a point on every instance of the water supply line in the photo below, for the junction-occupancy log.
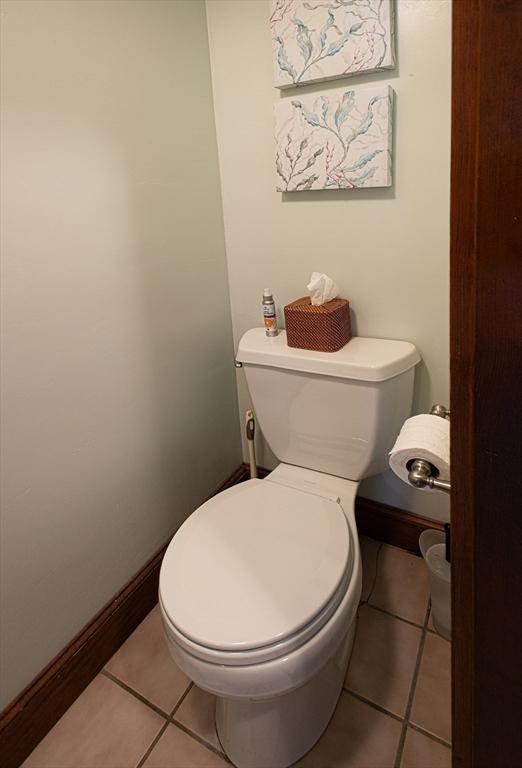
(250, 433)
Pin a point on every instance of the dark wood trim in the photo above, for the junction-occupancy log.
(486, 355)
(25, 722)
(382, 521)
(34, 712)
(390, 524)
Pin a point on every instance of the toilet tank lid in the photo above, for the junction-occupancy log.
(362, 358)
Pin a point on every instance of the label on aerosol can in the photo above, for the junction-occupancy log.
(269, 313)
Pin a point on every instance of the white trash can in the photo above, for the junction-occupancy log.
(432, 545)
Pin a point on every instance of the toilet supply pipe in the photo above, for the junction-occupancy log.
(250, 434)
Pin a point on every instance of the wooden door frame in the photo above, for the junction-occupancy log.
(486, 383)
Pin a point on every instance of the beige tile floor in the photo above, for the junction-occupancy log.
(394, 711)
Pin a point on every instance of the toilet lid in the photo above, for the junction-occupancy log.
(254, 565)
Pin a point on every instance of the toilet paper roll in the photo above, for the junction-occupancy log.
(422, 437)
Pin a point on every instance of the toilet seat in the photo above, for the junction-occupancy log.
(285, 556)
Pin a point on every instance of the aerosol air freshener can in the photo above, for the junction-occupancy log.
(269, 313)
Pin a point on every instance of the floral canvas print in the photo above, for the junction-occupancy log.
(340, 139)
(325, 39)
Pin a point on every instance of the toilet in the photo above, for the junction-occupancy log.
(259, 588)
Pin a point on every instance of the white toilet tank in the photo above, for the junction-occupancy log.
(335, 412)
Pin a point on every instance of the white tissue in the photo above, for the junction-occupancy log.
(422, 437)
(321, 288)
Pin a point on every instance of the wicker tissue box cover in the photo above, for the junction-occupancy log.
(325, 328)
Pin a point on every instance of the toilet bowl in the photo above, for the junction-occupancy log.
(286, 550)
(259, 587)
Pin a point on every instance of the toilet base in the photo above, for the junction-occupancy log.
(275, 733)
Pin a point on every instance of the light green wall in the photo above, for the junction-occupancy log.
(388, 249)
(119, 406)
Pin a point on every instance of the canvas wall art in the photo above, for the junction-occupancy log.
(340, 139)
(326, 39)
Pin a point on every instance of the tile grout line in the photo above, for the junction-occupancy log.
(411, 725)
(387, 712)
(429, 735)
(395, 616)
(411, 695)
(188, 731)
(424, 629)
(373, 704)
(199, 739)
(169, 718)
(153, 744)
(181, 699)
(163, 727)
(378, 608)
(134, 693)
(401, 618)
